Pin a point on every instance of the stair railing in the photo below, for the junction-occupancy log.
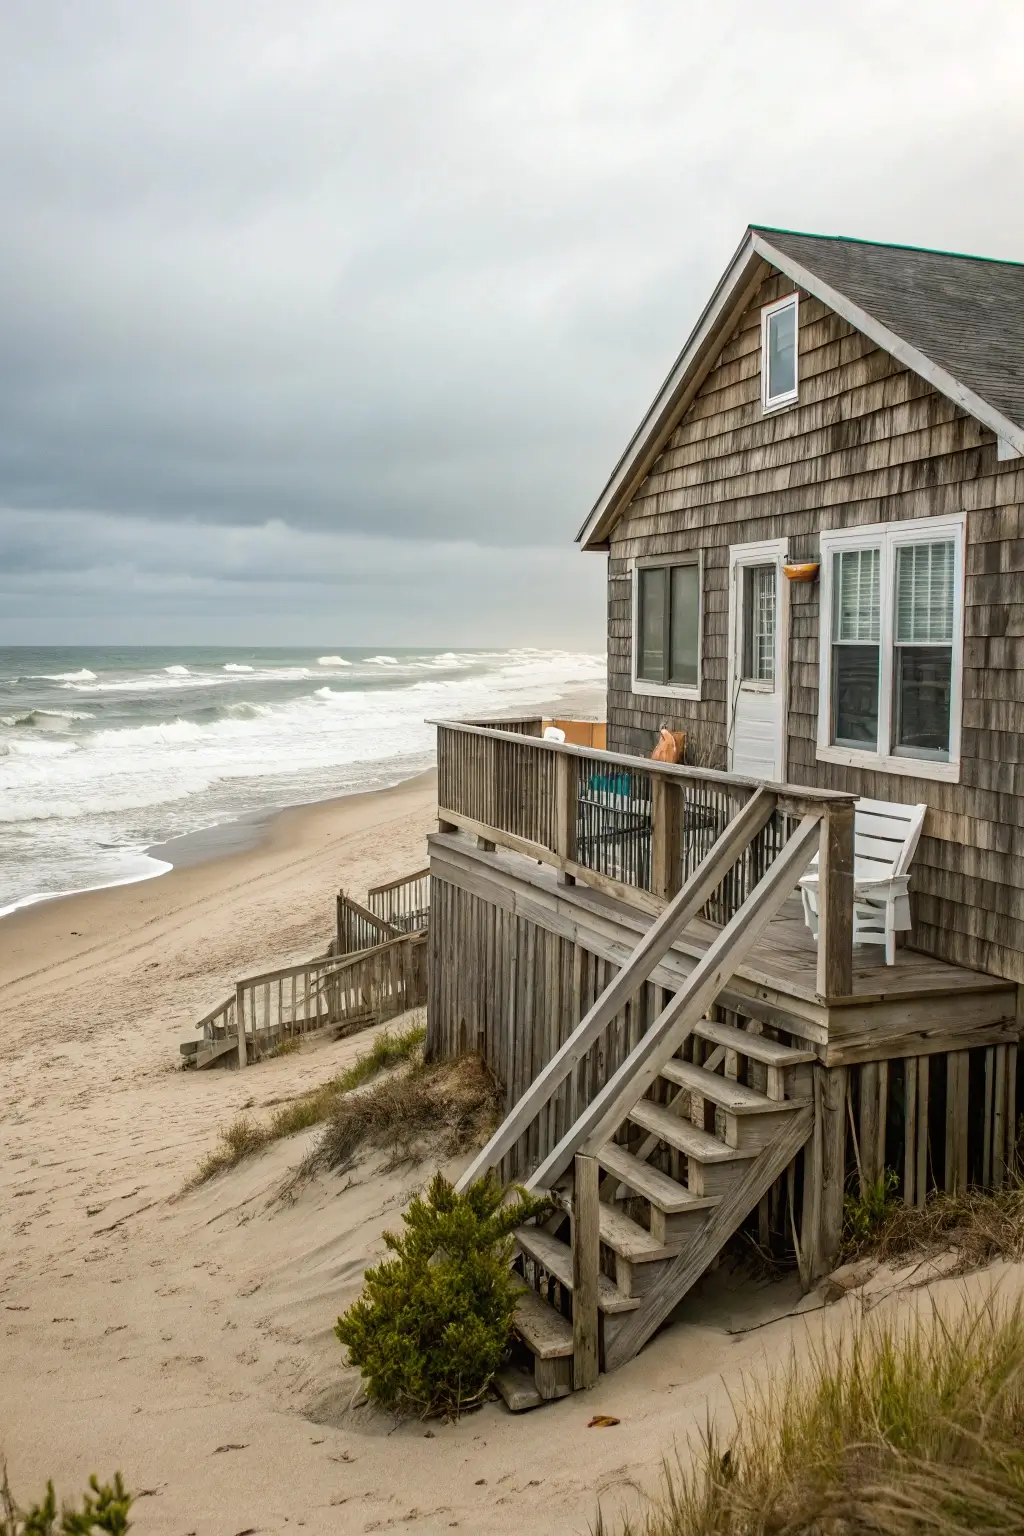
(359, 928)
(404, 903)
(612, 1103)
(651, 949)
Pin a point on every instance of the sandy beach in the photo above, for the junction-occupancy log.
(186, 1339)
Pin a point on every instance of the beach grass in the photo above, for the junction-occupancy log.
(453, 1104)
(898, 1430)
(246, 1136)
(979, 1225)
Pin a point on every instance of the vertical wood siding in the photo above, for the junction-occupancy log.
(869, 442)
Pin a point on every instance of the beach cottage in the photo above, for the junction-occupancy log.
(724, 991)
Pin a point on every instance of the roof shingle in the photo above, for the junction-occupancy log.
(965, 313)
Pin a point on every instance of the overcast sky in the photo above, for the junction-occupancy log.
(326, 322)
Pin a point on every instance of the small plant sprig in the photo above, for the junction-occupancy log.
(865, 1213)
(104, 1508)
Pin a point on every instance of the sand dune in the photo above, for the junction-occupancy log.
(188, 1339)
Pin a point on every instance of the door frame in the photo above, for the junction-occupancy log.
(762, 552)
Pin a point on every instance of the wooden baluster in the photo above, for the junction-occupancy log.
(835, 902)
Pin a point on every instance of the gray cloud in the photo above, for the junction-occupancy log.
(407, 274)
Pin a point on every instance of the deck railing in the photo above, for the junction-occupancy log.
(638, 827)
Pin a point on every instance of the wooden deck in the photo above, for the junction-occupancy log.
(917, 1007)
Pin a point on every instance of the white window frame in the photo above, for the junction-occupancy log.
(888, 537)
(643, 685)
(771, 403)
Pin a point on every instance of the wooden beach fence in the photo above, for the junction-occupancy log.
(345, 992)
(397, 907)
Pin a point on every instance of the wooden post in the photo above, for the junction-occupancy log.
(810, 1219)
(833, 1165)
(921, 1181)
(999, 1120)
(909, 1127)
(835, 902)
(565, 812)
(243, 1055)
(667, 799)
(957, 1070)
(586, 1216)
(986, 1141)
(867, 1133)
(1011, 1108)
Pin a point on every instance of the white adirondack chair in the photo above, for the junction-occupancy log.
(885, 838)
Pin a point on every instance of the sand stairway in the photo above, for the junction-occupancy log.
(672, 1153)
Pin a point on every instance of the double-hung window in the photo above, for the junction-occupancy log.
(666, 626)
(892, 646)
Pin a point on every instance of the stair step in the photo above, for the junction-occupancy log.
(756, 1047)
(686, 1138)
(624, 1236)
(518, 1389)
(629, 1240)
(213, 1050)
(546, 1331)
(664, 1193)
(556, 1257)
(729, 1095)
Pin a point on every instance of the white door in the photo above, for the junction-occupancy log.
(758, 648)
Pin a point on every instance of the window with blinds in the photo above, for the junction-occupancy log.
(923, 639)
(856, 654)
(668, 625)
(894, 625)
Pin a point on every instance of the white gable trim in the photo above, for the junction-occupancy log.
(734, 292)
(880, 334)
(730, 298)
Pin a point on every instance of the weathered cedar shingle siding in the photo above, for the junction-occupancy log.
(869, 442)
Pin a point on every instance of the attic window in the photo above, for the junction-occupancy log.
(779, 353)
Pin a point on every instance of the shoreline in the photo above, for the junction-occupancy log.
(292, 844)
(245, 833)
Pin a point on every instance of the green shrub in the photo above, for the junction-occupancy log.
(434, 1321)
(104, 1509)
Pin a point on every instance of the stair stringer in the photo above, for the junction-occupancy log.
(723, 1221)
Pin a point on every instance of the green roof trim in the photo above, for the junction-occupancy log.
(886, 245)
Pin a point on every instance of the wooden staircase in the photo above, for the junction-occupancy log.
(672, 1154)
(687, 1166)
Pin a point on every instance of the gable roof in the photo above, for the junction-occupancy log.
(958, 321)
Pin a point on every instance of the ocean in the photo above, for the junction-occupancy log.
(107, 753)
